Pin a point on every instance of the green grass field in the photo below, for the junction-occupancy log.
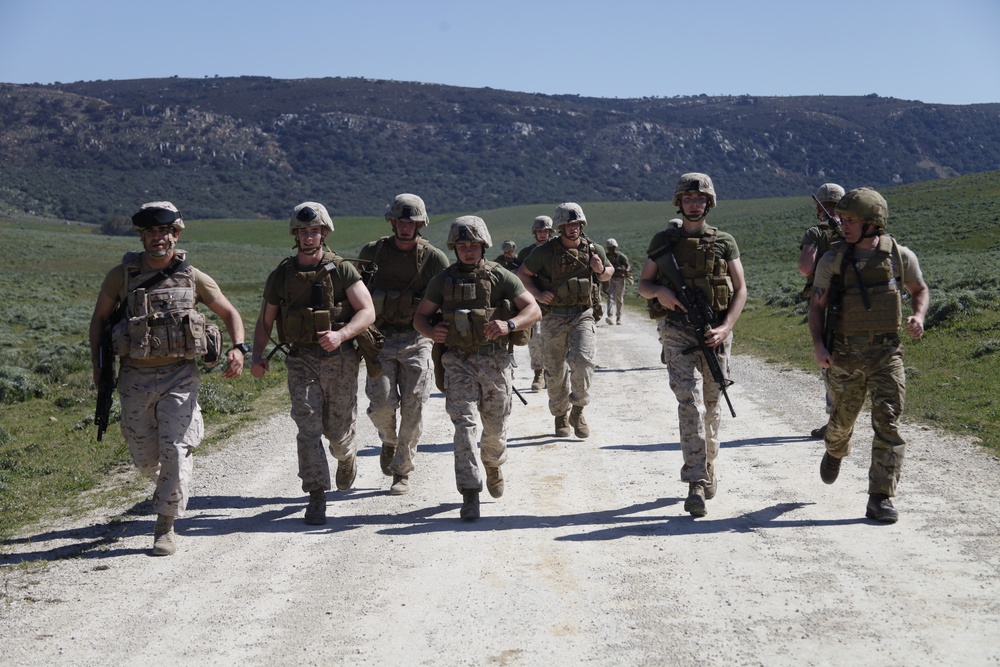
(51, 273)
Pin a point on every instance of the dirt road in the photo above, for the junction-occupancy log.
(588, 557)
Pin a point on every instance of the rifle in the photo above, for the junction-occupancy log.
(513, 364)
(834, 222)
(701, 318)
(106, 365)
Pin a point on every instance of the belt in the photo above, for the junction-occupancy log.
(320, 352)
(388, 329)
(571, 310)
(490, 348)
(878, 339)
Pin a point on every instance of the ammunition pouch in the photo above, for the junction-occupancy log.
(370, 343)
(176, 334)
(395, 307)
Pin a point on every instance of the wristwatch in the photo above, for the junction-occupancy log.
(510, 326)
(242, 347)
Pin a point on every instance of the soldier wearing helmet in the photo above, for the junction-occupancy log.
(320, 305)
(816, 241)
(485, 309)
(507, 259)
(707, 261)
(616, 286)
(563, 274)
(541, 229)
(863, 274)
(150, 299)
(397, 269)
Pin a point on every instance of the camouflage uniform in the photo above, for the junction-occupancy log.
(161, 420)
(697, 393)
(407, 370)
(616, 286)
(569, 333)
(869, 365)
(536, 350)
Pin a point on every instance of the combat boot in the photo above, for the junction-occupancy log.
(619, 322)
(578, 423)
(695, 503)
(880, 508)
(400, 485)
(713, 484)
(347, 470)
(385, 459)
(609, 320)
(316, 509)
(829, 468)
(537, 382)
(818, 433)
(470, 505)
(562, 426)
(164, 537)
(494, 481)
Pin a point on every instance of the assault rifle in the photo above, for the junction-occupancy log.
(106, 365)
(829, 216)
(699, 315)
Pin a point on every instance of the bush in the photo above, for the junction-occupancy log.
(987, 347)
(18, 385)
(216, 399)
(117, 225)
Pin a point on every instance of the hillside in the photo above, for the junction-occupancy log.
(253, 146)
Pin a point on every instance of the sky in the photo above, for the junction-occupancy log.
(936, 51)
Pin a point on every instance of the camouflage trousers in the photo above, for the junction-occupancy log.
(536, 350)
(616, 298)
(162, 424)
(324, 392)
(404, 386)
(570, 348)
(698, 411)
(477, 384)
(875, 371)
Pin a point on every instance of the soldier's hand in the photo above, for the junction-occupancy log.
(669, 300)
(823, 356)
(596, 265)
(259, 368)
(330, 340)
(440, 332)
(546, 297)
(915, 326)
(234, 365)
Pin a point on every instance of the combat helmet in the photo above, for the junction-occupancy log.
(567, 213)
(156, 214)
(611, 243)
(695, 182)
(829, 193)
(509, 245)
(865, 204)
(541, 222)
(310, 214)
(469, 228)
(407, 207)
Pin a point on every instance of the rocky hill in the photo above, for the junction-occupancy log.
(255, 146)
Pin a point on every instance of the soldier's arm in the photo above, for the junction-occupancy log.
(103, 310)
(527, 279)
(261, 336)
(650, 289)
(920, 299)
(817, 322)
(234, 325)
(807, 259)
(422, 321)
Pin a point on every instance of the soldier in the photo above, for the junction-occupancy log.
(404, 263)
(507, 259)
(864, 273)
(616, 286)
(561, 275)
(320, 305)
(817, 240)
(541, 229)
(483, 305)
(158, 338)
(709, 264)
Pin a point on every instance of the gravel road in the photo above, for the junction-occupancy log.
(589, 556)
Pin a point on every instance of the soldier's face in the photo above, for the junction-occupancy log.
(310, 239)
(406, 230)
(694, 204)
(571, 230)
(160, 240)
(468, 252)
(542, 235)
(852, 227)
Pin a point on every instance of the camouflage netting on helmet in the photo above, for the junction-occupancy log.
(407, 207)
(541, 222)
(829, 192)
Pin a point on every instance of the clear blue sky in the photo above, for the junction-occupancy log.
(941, 51)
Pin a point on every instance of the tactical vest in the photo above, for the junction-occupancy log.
(468, 303)
(311, 301)
(617, 260)
(701, 269)
(571, 276)
(397, 286)
(161, 321)
(882, 286)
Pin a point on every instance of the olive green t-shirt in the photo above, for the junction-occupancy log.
(539, 262)
(510, 286)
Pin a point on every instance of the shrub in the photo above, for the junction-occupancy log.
(18, 385)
